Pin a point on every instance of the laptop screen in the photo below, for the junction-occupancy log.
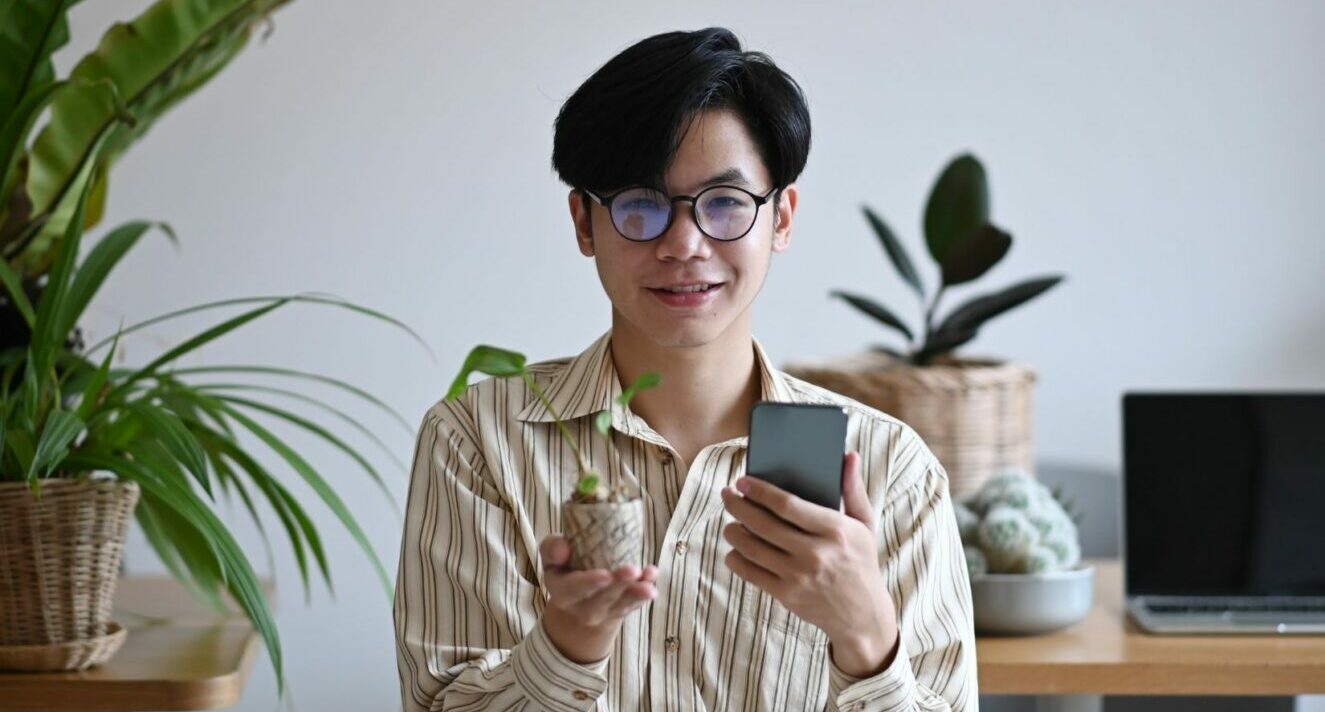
(1224, 494)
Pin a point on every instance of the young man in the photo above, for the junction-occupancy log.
(681, 153)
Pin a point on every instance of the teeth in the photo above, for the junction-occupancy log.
(696, 288)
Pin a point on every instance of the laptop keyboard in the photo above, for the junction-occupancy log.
(1240, 607)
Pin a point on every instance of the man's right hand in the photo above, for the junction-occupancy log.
(585, 608)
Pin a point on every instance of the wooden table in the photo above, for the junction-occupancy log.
(1106, 654)
(179, 655)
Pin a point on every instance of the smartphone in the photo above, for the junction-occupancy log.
(799, 447)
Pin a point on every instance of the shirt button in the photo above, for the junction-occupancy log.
(672, 644)
(681, 547)
(580, 695)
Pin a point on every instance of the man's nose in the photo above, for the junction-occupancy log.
(683, 239)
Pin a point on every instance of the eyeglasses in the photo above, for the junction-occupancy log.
(723, 212)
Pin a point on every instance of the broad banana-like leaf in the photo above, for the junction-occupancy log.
(30, 31)
(156, 60)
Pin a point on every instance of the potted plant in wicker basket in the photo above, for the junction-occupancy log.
(975, 413)
(84, 444)
(603, 522)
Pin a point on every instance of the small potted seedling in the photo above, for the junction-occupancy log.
(603, 524)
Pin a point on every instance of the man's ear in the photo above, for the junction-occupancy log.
(582, 218)
(786, 210)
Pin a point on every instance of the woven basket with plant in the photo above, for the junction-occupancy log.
(85, 442)
(974, 413)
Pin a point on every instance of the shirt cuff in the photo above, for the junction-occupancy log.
(890, 690)
(553, 680)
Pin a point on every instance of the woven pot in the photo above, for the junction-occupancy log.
(59, 563)
(604, 536)
(974, 414)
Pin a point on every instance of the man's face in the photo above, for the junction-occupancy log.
(635, 274)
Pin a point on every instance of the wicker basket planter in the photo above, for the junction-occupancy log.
(975, 414)
(59, 563)
(604, 535)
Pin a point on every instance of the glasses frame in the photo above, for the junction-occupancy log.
(606, 202)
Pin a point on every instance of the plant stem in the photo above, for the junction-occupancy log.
(565, 434)
(929, 314)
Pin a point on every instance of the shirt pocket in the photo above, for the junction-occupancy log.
(762, 609)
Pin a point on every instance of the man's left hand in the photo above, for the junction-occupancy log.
(821, 564)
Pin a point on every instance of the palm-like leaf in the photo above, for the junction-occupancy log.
(970, 316)
(896, 252)
(875, 310)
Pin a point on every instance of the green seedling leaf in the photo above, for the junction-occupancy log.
(489, 360)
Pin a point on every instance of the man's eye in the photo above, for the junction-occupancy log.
(640, 204)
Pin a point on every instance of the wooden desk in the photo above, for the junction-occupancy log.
(1106, 654)
(185, 656)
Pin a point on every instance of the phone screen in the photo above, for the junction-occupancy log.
(799, 447)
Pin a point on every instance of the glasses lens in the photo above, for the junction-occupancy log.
(641, 213)
(726, 213)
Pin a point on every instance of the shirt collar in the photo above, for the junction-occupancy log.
(588, 384)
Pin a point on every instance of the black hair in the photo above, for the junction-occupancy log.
(624, 124)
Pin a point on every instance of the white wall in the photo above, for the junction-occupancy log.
(1167, 157)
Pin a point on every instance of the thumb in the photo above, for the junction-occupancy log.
(855, 501)
(555, 551)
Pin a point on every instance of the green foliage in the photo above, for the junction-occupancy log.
(965, 246)
(64, 410)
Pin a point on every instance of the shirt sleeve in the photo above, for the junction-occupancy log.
(467, 610)
(934, 669)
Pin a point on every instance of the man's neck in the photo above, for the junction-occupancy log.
(707, 391)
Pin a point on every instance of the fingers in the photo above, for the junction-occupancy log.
(763, 523)
(755, 549)
(596, 593)
(855, 500)
(808, 516)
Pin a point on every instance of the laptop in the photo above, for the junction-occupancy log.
(1224, 512)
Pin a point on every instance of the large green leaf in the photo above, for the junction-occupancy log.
(30, 31)
(148, 59)
(972, 314)
(875, 310)
(975, 254)
(958, 204)
(490, 360)
(896, 253)
(13, 141)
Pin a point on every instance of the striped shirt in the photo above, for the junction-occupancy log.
(490, 473)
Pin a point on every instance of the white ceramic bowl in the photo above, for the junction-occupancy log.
(1022, 604)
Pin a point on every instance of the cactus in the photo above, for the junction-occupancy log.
(1015, 524)
(976, 563)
